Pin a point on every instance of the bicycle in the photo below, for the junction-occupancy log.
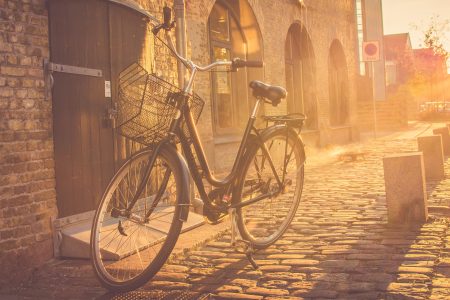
(140, 215)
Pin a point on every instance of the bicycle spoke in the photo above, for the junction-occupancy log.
(132, 242)
(116, 233)
(264, 220)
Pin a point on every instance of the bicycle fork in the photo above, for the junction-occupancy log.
(236, 240)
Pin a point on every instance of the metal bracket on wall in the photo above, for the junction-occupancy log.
(50, 67)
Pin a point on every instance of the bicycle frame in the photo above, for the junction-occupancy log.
(175, 131)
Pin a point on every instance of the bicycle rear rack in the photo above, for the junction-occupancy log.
(294, 120)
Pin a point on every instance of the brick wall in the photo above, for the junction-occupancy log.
(27, 183)
(391, 115)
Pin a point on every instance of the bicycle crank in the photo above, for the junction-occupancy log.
(121, 229)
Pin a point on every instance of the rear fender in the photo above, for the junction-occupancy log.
(256, 140)
(265, 133)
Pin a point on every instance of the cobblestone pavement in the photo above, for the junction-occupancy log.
(339, 246)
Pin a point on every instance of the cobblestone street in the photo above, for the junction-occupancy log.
(339, 246)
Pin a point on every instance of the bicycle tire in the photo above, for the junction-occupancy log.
(143, 263)
(253, 220)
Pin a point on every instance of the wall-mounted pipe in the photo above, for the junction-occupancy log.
(180, 33)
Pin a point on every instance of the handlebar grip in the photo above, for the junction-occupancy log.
(240, 63)
(167, 12)
(254, 64)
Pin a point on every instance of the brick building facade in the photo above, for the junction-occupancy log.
(274, 30)
(27, 181)
(323, 51)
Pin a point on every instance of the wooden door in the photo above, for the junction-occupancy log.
(131, 41)
(98, 35)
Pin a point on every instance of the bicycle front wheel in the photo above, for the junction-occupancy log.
(273, 173)
(128, 246)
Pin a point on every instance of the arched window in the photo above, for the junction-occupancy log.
(230, 99)
(300, 74)
(224, 35)
(338, 85)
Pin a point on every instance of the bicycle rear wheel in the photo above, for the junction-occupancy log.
(128, 248)
(263, 222)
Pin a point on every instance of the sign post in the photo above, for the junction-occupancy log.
(371, 53)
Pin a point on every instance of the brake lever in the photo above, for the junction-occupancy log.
(172, 25)
(158, 28)
(236, 64)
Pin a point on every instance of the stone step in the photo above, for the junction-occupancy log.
(73, 235)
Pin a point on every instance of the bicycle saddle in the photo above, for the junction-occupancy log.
(270, 92)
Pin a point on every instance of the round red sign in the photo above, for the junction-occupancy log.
(371, 49)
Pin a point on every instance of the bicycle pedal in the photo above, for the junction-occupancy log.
(213, 217)
(214, 221)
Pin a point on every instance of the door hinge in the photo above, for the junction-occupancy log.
(53, 67)
(50, 67)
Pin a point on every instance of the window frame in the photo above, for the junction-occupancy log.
(236, 121)
(297, 63)
(338, 89)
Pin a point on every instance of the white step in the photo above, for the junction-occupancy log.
(73, 233)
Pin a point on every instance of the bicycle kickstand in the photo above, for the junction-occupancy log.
(247, 247)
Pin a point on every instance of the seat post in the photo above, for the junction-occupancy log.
(256, 108)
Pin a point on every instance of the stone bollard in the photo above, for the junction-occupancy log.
(406, 196)
(433, 156)
(444, 132)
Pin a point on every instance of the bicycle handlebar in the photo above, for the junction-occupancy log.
(168, 24)
(235, 64)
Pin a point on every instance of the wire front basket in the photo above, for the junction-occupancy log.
(146, 105)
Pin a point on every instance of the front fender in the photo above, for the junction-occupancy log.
(185, 192)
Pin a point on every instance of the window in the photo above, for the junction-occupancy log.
(229, 90)
(300, 75)
(391, 73)
(219, 24)
(338, 85)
